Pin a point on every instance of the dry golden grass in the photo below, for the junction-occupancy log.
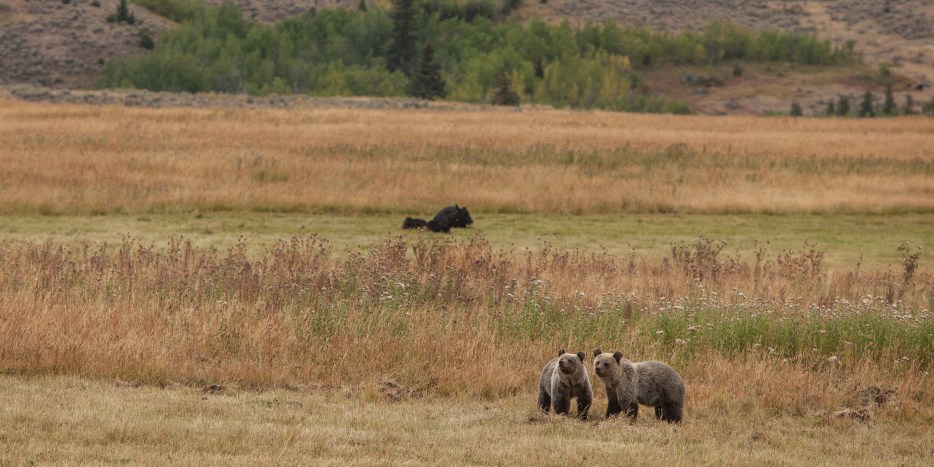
(427, 351)
(453, 317)
(94, 160)
(733, 417)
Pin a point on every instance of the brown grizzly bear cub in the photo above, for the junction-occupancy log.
(564, 378)
(629, 384)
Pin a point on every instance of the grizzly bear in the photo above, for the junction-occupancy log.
(444, 220)
(564, 378)
(414, 223)
(629, 384)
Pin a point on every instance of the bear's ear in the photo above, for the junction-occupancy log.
(561, 352)
(618, 356)
(581, 356)
(597, 352)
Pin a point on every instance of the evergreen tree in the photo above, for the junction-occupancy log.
(122, 15)
(427, 82)
(796, 109)
(503, 93)
(889, 107)
(401, 53)
(540, 67)
(843, 106)
(362, 5)
(866, 109)
(909, 105)
(831, 110)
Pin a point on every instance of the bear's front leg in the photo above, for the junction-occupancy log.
(632, 410)
(562, 403)
(544, 401)
(583, 406)
(613, 408)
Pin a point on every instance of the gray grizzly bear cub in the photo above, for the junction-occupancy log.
(629, 384)
(564, 378)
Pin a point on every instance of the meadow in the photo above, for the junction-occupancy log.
(235, 281)
(90, 160)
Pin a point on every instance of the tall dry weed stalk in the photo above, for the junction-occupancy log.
(445, 316)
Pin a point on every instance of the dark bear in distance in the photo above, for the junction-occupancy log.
(413, 223)
(444, 220)
(454, 216)
(451, 216)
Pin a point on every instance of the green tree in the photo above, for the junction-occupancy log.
(796, 110)
(123, 14)
(889, 107)
(401, 53)
(909, 105)
(866, 108)
(346, 51)
(427, 82)
(843, 106)
(362, 6)
(122, 11)
(503, 94)
(539, 68)
(831, 109)
(928, 108)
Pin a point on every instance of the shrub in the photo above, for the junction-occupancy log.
(145, 40)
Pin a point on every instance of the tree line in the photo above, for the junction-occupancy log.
(441, 49)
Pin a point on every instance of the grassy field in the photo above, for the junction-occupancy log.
(94, 421)
(846, 239)
(148, 256)
(103, 160)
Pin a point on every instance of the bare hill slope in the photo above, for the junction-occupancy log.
(50, 43)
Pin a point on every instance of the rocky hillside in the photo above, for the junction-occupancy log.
(59, 44)
(64, 43)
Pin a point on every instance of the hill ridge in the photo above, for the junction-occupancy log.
(64, 46)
